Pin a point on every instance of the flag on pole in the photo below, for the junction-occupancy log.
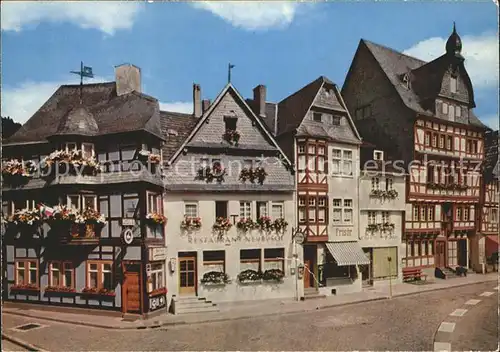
(87, 72)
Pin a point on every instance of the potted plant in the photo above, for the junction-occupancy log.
(149, 157)
(231, 136)
(392, 194)
(246, 174)
(156, 218)
(273, 275)
(260, 174)
(218, 172)
(388, 227)
(204, 174)
(190, 223)
(59, 291)
(63, 162)
(376, 193)
(245, 224)
(215, 278)
(28, 288)
(16, 172)
(280, 225)
(249, 276)
(92, 221)
(94, 291)
(25, 218)
(221, 225)
(372, 227)
(265, 223)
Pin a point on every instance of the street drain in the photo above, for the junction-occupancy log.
(27, 327)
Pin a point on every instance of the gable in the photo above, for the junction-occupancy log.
(229, 107)
(326, 98)
(462, 91)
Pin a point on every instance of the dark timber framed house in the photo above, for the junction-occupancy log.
(423, 112)
(84, 223)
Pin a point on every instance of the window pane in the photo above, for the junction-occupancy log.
(261, 209)
(107, 267)
(191, 210)
(93, 279)
(89, 202)
(88, 150)
(93, 267)
(277, 211)
(130, 206)
(33, 276)
(107, 281)
(68, 279)
(337, 213)
(74, 202)
(348, 215)
(20, 275)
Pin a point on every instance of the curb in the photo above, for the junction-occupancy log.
(22, 343)
(157, 325)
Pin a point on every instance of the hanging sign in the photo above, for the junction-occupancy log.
(157, 253)
(128, 236)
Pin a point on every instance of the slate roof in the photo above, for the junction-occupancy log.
(78, 121)
(395, 64)
(491, 164)
(113, 114)
(175, 127)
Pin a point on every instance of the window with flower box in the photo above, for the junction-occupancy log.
(154, 203)
(250, 259)
(26, 272)
(61, 274)
(302, 209)
(261, 209)
(375, 183)
(100, 275)
(191, 210)
(389, 184)
(385, 217)
(274, 258)
(214, 261)
(311, 202)
(372, 217)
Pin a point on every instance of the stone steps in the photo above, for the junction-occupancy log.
(193, 304)
(312, 293)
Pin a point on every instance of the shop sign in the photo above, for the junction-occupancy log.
(343, 232)
(157, 302)
(228, 240)
(157, 253)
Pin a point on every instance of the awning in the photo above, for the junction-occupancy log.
(347, 253)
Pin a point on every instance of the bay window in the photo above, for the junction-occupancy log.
(154, 203)
(130, 205)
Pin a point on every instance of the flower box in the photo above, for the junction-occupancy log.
(207, 174)
(59, 291)
(17, 173)
(252, 175)
(280, 225)
(149, 157)
(62, 162)
(190, 223)
(221, 225)
(156, 218)
(28, 289)
(98, 293)
(215, 278)
(159, 291)
(250, 276)
(232, 137)
(265, 223)
(246, 224)
(275, 275)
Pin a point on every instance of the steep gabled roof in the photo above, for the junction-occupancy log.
(175, 128)
(293, 110)
(113, 114)
(395, 64)
(228, 89)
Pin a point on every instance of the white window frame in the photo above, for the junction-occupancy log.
(281, 205)
(337, 209)
(389, 183)
(262, 208)
(372, 217)
(345, 162)
(82, 201)
(386, 217)
(453, 84)
(378, 155)
(444, 108)
(338, 160)
(342, 162)
(245, 209)
(157, 272)
(67, 148)
(375, 183)
(346, 209)
(92, 148)
(195, 204)
(79, 207)
(158, 201)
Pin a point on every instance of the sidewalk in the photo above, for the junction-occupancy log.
(242, 310)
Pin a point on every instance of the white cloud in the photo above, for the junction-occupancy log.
(22, 101)
(252, 15)
(108, 17)
(179, 106)
(480, 53)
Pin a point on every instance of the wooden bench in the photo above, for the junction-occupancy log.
(411, 274)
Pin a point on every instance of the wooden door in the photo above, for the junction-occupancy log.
(132, 289)
(462, 253)
(307, 272)
(440, 254)
(187, 275)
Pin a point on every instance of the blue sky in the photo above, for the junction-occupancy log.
(283, 45)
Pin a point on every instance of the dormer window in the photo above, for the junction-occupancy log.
(317, 116)
(378, 155)
(88, 150)
(453, 84)
(336, 120)
(406, 81)
(230, 123)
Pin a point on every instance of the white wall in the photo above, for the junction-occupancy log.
(232, 243)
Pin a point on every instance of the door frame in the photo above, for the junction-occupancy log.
(124, 286)
(436, 255)
(314, 265)
(189, 255)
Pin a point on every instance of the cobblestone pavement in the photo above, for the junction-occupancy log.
(477, 330)
(404, 323)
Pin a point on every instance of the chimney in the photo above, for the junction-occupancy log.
(127, 78)
(259, 98)
(205, 104)
(196, 100)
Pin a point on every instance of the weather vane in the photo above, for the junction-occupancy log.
(229, 73)
(85, 71)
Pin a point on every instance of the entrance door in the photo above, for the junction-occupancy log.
(132, 288)
(308, 267)
(187, 275)
(366, 270)
(310, 253)
(462, 252)
(440, 257)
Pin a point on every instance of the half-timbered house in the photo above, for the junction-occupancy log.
(488, 215)
(229, 195)
(423, 111)
(316, 131)
(82, 201)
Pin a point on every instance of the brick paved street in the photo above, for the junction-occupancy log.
(405, 323)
